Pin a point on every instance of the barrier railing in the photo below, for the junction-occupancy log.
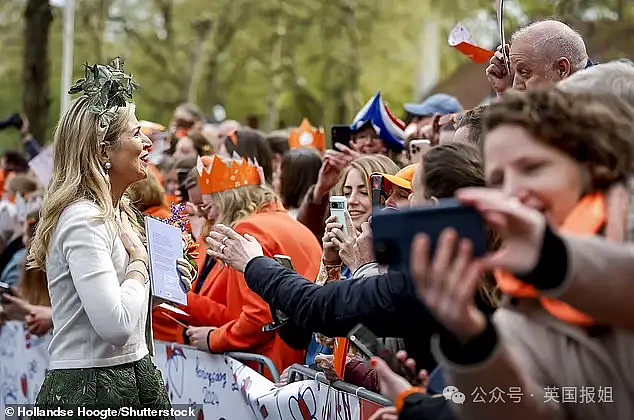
(299, 372)
(262, 362)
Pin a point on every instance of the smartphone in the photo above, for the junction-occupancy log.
(5, 288)
(338, 208)
(285, 261)
(378, 190)
(182, 176)
(364, 340)
(393, 232)
(341, 133)
(417, 149)
(279, 317)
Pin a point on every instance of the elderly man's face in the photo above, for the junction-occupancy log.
(530, 68)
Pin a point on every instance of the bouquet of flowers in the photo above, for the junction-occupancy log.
(180, 220)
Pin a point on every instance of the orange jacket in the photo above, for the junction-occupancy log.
(586, 219)
(226, 302)
(158, 212)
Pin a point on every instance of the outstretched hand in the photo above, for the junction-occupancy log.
(227, 245)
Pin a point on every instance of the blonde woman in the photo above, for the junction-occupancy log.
(90, 246)
(225, 302)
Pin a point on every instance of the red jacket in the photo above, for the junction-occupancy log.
(226, 302)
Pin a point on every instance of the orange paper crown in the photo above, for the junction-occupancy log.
(217, 175)
(307, 136)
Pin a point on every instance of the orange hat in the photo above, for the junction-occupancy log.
(402, 178)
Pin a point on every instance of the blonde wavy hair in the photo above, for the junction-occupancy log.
(366, 165)
(240, 203)
(78, 172)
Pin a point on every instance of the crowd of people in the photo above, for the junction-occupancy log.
(547, 164)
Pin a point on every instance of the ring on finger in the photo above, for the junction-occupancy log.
(224, 240)
(222, 249)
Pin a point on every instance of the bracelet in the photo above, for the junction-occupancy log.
(142, 273)
(137, 265)
(208, 337)
(142, 260)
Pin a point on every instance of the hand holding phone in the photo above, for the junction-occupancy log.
(338, 208)
(370, 346)
(393, 232)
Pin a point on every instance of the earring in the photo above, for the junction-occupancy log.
(107, 165)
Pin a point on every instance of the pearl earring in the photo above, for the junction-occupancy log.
(107, 165)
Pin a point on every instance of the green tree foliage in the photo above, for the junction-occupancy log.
(278, 60)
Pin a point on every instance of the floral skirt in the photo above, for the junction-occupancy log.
(137, 386)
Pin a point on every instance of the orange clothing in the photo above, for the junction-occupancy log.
(2, 179)
(226, 302)
(586, 219)
(158, 212)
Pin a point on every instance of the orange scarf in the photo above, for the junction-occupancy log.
(586, 219)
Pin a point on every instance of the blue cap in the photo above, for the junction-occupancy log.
(439, 103)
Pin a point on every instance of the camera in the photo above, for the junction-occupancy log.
(13, 121)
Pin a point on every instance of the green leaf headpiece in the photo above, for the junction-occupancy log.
(107, 88)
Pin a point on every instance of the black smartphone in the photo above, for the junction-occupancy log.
(279, 317)
(364, 340)
(393, 232)
(5, 288)
(341, 133)
(378, 190)
(182, 176)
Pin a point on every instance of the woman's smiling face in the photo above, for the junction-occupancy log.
(539, 175)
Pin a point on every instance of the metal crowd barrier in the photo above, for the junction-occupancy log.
(300, 373)
(262, 362)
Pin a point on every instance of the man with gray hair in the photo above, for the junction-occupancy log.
(540, 53)
(613, 78)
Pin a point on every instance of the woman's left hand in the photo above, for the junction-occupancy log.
(198, 337)
(448, 284)
(228, 246)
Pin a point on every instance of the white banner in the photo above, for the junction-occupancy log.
(225, 388)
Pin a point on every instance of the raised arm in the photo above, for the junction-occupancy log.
(382, 303)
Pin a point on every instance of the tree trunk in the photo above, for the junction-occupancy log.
(35, 83)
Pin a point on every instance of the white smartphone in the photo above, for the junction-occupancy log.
(338, 208)
(417, 149)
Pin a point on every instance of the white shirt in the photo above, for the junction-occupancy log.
(99, 317)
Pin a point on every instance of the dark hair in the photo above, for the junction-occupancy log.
(278, 142)
(473, 119)
(594, 130)
(14, 161)
(300, 169)
(253, 144)
(449, 167)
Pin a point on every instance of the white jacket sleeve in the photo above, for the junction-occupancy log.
(113, 309)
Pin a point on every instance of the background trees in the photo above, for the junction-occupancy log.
(274, 60)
